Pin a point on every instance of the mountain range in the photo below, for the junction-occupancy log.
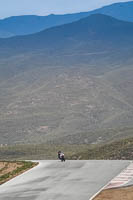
(24, 25)
(96, 33)
(68, 84)
(95, 40)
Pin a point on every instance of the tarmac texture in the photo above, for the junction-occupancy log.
(54, 180)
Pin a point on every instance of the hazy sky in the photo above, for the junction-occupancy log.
(45, 7)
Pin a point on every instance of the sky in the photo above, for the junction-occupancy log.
(45, 7)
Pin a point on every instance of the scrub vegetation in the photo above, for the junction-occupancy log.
(11, 169)
(121, 149)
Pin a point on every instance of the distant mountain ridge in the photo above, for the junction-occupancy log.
(28, 24)
(122, 11)
(94, 33)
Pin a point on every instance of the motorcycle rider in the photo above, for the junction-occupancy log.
(61, 156)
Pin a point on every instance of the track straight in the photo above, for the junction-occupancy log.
(62, 181)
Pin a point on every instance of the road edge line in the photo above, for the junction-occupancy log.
(106, 185)
(99, 191)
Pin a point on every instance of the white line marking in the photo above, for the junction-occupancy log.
(122, 179)
(117, 183)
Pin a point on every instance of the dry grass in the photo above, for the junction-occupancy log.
(9, 170)
(125, 193)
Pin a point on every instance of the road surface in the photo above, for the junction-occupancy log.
(53, 180)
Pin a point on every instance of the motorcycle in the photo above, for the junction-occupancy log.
(61, 156)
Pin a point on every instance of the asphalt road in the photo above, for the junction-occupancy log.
(53, 180)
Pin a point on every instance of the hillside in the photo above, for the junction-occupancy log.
(28, 24)
(118, 150)
(97, 33)
(63, 105)
(69, 84)
(122, 11)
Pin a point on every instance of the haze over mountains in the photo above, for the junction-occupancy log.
(24, 25)
(97, 33)
(68, 84)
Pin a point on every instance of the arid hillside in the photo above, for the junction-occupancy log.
(69, 84)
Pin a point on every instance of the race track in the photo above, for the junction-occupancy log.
(53, 180)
